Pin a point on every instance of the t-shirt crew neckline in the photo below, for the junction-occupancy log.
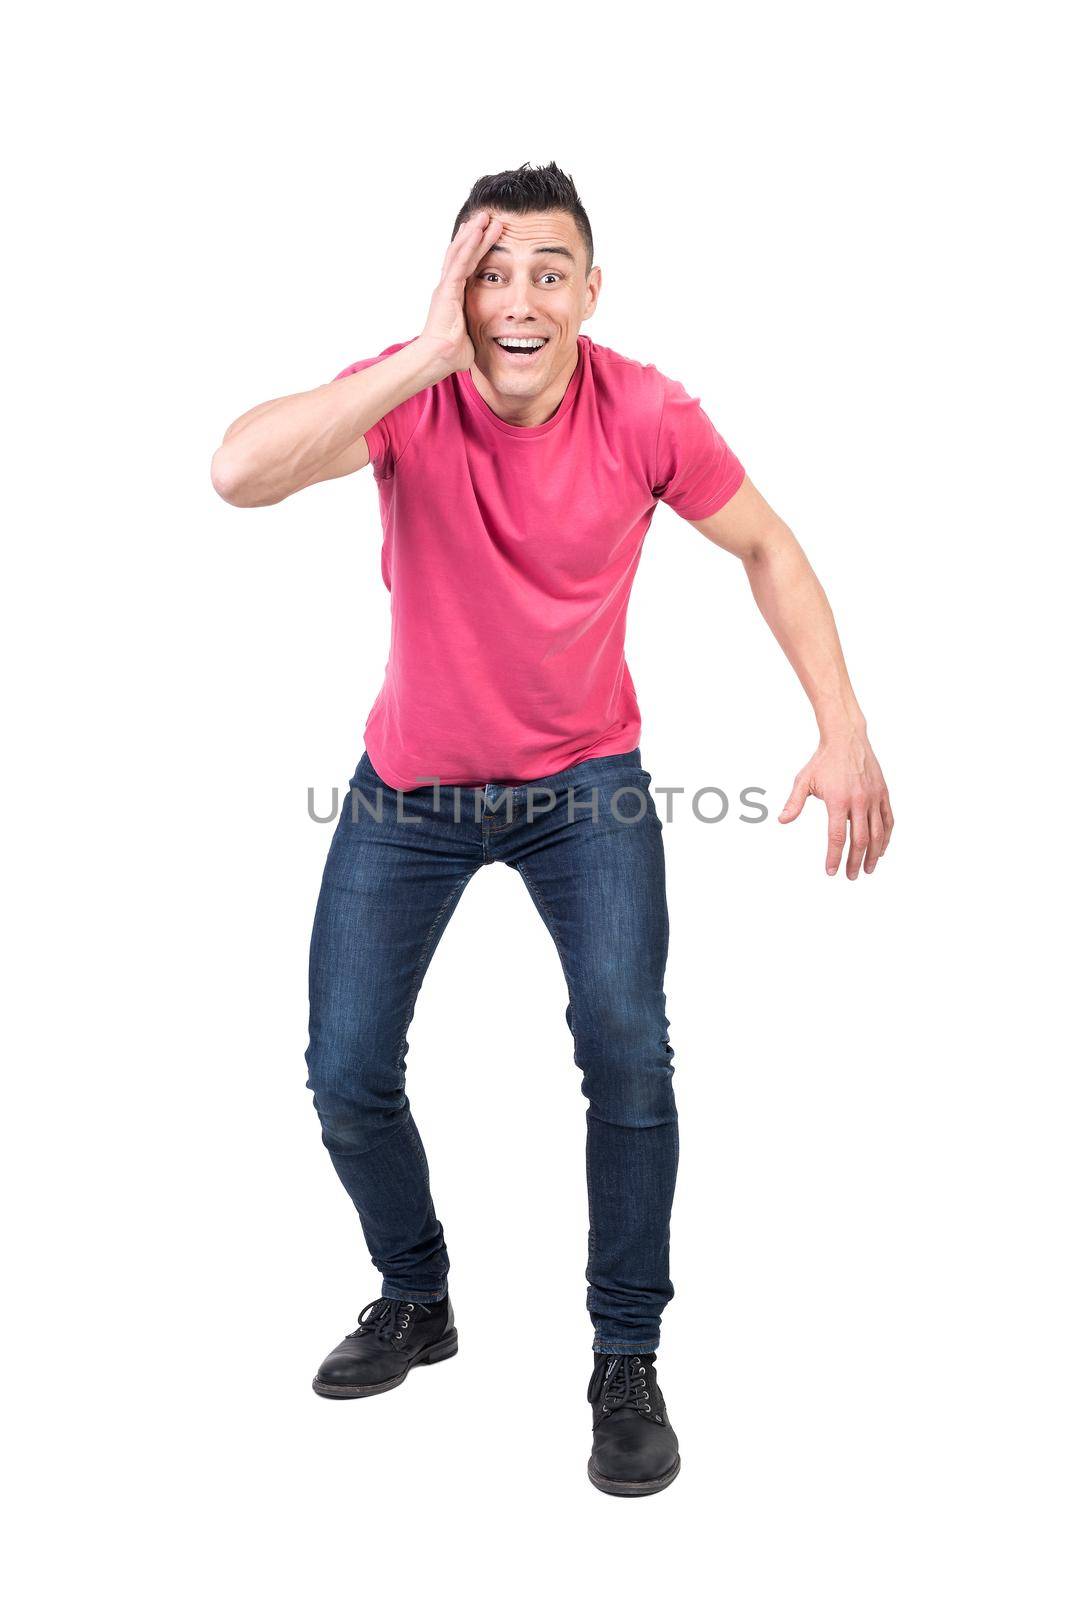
(510, 428)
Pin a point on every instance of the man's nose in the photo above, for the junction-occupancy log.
(519, 302)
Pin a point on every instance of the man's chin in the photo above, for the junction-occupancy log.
(507, 379)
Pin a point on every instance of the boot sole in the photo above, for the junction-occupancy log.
(631, 1488)
(358, 1391)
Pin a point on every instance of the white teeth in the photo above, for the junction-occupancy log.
(520, 344)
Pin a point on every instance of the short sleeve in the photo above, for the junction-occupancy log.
(389, 436)
(696, 471)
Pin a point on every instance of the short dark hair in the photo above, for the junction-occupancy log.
(528, 188)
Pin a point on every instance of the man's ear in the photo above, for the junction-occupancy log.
(593, 290)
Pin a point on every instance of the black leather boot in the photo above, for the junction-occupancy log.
(635, 1450)
(390, 1337)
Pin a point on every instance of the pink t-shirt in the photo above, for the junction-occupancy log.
(509, 554)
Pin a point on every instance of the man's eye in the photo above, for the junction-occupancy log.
(555, 276)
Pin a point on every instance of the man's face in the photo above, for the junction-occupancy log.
(530, 284)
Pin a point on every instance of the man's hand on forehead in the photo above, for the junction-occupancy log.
(445, 333)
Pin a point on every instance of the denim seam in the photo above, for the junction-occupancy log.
(627, 1350)
(550, 923)
(536, 896)
(428, 1299)
(424, 959)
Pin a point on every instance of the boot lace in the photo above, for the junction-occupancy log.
(624, 1383)
(384, 1319)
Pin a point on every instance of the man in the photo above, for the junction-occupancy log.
(518, 466)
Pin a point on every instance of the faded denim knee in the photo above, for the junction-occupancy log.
(358, 1092)
(622, 1048)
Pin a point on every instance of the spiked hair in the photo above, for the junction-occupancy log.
(528, 188)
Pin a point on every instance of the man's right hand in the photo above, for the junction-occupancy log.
(445, 334)
(286, 444)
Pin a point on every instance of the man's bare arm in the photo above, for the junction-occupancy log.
(285, 445)
(844, 772)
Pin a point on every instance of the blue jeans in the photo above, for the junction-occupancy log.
(388, 891)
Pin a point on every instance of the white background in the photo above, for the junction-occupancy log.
(835, 225)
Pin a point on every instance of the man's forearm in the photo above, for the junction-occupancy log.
(844, 772)
(282, 445)
(792, 601)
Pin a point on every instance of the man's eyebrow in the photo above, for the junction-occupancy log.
(539, 250)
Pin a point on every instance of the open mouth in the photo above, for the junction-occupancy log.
(520, 350)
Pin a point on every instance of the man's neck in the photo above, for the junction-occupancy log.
(518, 410)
